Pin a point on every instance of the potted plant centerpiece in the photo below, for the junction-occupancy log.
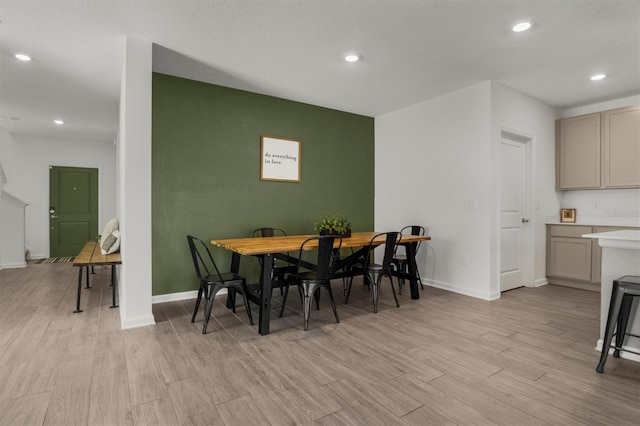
(333, 224)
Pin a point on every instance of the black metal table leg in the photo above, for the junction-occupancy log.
(411, 263)
(79, 290)
(113, 287)
(235, 268)
(265, 295)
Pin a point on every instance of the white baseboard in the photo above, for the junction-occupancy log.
(174, 297)
(463, 290)
(136, 322)
(13, 265)
(540, 282)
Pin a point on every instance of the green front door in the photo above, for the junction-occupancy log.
(73, 209)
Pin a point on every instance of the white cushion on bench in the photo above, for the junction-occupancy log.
(111, 226)
(110, 243)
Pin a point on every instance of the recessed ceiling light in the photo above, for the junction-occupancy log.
(352, 57)
(58, 122)
(522, 26)
(597, 77)
(23, 57)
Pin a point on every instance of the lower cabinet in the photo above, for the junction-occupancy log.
(574, 261)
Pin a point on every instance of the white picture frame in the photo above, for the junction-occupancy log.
(279, 159)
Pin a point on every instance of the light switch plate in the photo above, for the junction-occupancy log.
(469, 203)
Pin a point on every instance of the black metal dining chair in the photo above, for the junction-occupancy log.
(212, 281)
(399, 259)
(374, 272)
(311, 282)
(280, 269)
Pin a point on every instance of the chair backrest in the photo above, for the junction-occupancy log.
(328, 251)
(415, 230)
(390, 241)
(268, 232)
(203, 264)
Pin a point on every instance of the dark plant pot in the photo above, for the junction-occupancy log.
(346, 234)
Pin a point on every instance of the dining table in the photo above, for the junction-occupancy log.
(278, 247)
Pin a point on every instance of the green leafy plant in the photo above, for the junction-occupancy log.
(332, 223)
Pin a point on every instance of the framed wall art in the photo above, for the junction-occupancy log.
(279, 159)
(568, 215)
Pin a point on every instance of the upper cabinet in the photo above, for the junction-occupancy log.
(578, 152)
(600, 150)
(621, 148)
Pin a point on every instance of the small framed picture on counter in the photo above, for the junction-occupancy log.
(568, 215)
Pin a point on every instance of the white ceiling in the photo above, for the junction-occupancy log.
(411, 51)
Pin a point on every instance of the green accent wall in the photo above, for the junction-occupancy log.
(206, 172)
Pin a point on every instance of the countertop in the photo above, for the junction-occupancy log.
(626, 222)
(626, 239)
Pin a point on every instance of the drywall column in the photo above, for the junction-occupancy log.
(134, 185)
(12, 230)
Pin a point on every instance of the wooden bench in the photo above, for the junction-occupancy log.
(90, 255)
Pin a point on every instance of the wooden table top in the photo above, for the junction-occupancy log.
(264, 245)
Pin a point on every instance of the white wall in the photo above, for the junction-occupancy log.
(5, 140)
(434, 155)
(26, 161)
(523, 115)
(430, 157)
(134, 185)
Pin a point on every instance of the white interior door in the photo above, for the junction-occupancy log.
(513, 219)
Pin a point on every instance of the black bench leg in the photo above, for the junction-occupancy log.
(79, 290)
(113, 287)
(88, 286)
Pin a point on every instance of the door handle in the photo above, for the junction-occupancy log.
(54, 216)
(525, 220)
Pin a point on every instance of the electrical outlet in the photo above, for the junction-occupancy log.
(469, 203)
(464, 259)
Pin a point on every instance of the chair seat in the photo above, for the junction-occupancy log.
(308, 276)
(284, 270)
(226, 276)
(374, 267)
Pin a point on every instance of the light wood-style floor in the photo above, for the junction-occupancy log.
(525, 359)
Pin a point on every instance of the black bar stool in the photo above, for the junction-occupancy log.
(625, 289)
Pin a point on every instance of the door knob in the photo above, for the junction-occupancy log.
(525, 220)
